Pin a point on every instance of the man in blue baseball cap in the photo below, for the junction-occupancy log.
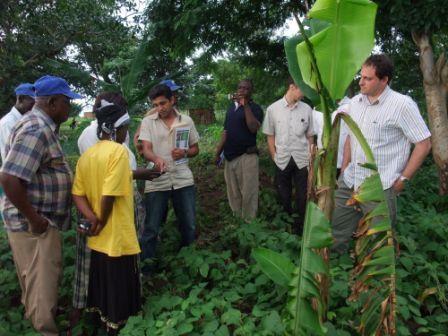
(37, 182)
(24, 103)
(171, 84)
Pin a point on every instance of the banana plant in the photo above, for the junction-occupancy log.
(373, 277)
(327, 63)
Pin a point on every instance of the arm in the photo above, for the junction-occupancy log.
(16, 193)
(310, 140)
(271, 146)
(149, 155)
(252, 123)
(418, 155)
(98, 224)
(347, 154)
(145, 174)
(220, 145)
(107, 202)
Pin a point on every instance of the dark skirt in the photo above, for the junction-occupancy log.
(114, 288)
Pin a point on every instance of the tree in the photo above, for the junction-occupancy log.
(424, 24)
(212, 27)
(243, 33)
(72, 39)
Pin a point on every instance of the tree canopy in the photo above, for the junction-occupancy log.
(72, 39)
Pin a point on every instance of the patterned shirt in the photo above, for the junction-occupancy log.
(35, 156)
(390, 125)
(290, 125)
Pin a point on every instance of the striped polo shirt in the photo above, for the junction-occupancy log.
(390, 125)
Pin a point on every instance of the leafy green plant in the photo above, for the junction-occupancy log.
(327, 63)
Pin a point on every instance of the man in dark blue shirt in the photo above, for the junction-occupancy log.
(239, 143)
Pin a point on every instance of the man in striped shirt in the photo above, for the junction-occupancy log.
(391, 123)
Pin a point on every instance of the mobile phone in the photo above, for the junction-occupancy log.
(84, 225)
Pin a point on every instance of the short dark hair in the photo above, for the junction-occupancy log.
(21, 98)
(383, 65)
(160, 90)
(289, 82)
(249, 81)
(112, 97)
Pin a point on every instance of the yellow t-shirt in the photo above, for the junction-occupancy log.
(103, 170)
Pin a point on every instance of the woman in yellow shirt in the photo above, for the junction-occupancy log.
(103, 193)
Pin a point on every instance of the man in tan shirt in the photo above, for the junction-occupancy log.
(169, 139)
(174, 89)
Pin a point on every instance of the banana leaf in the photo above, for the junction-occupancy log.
(276, 266)
(293, 65)
(294, 70)
(374, 274)
(341, 48)
(307, 304)
(373, 277)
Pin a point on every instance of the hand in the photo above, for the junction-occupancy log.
(160, 164)
(177, 153)
(218, 160)
(398, 186)
(97, 226)
(242, 99)
(38, 225)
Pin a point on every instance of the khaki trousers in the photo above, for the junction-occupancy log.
(241, 175)
(38, 260)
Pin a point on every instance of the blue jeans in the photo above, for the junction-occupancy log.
(156, 204)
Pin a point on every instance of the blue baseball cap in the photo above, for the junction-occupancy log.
(25, 89)
(171, 84)
(51, 85)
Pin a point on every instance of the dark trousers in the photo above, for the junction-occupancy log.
(156, 203)
(284, 180)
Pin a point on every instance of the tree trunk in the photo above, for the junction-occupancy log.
(435, 84)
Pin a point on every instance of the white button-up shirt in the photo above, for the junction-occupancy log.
(390, 125)
(7, 123)
(290, 125)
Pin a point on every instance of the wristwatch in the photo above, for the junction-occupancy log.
(403, 179)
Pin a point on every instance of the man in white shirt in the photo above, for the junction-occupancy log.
(289, 128)
(24, 103)
(391, 123)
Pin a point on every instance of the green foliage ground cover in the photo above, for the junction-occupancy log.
(215, 286)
